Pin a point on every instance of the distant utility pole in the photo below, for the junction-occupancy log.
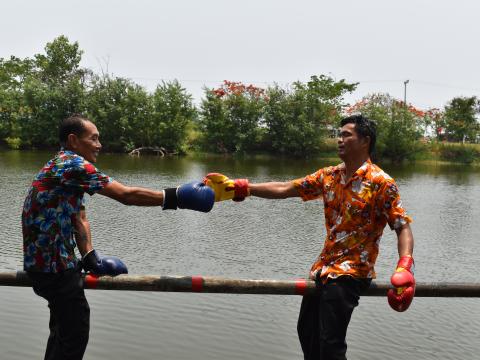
(405, 92)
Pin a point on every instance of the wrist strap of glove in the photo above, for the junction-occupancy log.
(90, 260)
(405, 262)
(170, 200)
(241, 189)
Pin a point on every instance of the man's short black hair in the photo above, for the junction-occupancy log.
(364, 127)
(74, 124)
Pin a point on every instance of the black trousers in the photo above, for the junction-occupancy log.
(324, 318)
(69, 313)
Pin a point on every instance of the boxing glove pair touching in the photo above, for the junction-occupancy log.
(218, 187)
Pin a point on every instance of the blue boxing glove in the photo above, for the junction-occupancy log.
(194, 196)
(103, 265)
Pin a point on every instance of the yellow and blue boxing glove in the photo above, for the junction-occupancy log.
(227, 189)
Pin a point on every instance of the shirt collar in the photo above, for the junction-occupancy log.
(362, 170)
(359, 174)
(64, 151)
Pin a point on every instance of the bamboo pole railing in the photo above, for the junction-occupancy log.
(205, 284)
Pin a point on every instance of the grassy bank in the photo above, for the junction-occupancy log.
(428, 151)
(443, 152)
(449, 152)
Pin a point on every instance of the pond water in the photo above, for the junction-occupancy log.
(257, 239)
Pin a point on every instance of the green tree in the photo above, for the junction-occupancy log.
(52, 90)
(217, 132)
(172, 112)
(298, 121)
(231, 116)
(47, 104)
(60, 63)
(121, 110)
(398, 126)
(13, 72)
(460, 118)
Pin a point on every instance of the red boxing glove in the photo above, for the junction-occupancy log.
(401, 297)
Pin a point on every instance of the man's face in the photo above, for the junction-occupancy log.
(88, 143)
(350, 144)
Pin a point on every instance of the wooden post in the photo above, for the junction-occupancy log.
(206, 284)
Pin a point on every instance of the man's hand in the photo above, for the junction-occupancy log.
(227, 189)
(103, 265)
(194, 196)
(401, 297)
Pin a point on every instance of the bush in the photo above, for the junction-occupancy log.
(464, 153)
(231, 118)
(13, 143)
(298, 121)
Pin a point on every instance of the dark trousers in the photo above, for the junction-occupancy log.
(69, 313)
(324, 318)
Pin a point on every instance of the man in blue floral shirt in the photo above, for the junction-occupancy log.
(51, 208)
(54, 222)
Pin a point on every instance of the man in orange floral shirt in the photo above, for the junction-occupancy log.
(359, 200)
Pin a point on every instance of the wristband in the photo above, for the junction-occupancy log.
(241, 189)
(90, 260)
(406, 262)
(170, 201)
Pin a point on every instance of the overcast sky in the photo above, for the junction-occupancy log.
(379, 43)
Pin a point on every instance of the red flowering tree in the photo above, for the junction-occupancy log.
(298, 120)
(231, 117)
(399, 126)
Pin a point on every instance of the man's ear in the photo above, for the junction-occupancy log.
(72, 141)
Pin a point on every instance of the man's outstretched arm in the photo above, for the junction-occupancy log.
(132, 195)
(239, 189)
(194, 196)
(274, 190)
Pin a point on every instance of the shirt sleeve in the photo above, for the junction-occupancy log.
(85, 177)
(310, 187)
(391, 207)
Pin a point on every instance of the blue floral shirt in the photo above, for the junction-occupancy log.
(50, 210)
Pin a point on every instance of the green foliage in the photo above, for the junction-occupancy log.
(172, 112)
(48, 104)
(231, 116)
(12, 107)
(37, 92)
(398, 127)
(61, 61)
(398, 139)
(217, 132)
(13, 71)
(460, 119)
(128, 117)
(13, 143)
(297, 121)
(121, 112)
(9, 113)
(464, 153)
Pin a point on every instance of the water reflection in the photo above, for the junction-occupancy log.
(254, 239)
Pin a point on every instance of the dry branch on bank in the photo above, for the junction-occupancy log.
(159, 151)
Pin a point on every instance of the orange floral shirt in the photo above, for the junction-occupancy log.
(356, 213)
